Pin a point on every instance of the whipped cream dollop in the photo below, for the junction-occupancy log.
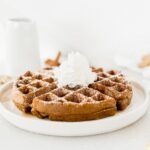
(74, 71)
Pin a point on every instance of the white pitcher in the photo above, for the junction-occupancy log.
(21, 46)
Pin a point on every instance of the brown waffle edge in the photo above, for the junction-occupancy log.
(37, 93)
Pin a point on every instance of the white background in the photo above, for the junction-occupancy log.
(98, 28)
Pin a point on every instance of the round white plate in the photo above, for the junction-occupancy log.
(136, 109)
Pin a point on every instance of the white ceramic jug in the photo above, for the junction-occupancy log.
(21, 46)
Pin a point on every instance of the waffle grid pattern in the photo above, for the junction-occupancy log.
(110, 87)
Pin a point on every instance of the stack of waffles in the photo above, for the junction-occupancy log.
(39, 94)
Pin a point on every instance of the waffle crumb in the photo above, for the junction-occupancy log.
(145, 61)
(4, 79)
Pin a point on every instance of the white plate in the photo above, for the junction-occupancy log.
(136, 109)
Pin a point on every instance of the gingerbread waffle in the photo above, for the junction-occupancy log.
(37, 93)
(113, 84)
(29, 86)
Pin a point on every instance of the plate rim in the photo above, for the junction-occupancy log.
(4, 110)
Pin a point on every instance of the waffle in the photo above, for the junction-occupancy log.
(37, 93)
